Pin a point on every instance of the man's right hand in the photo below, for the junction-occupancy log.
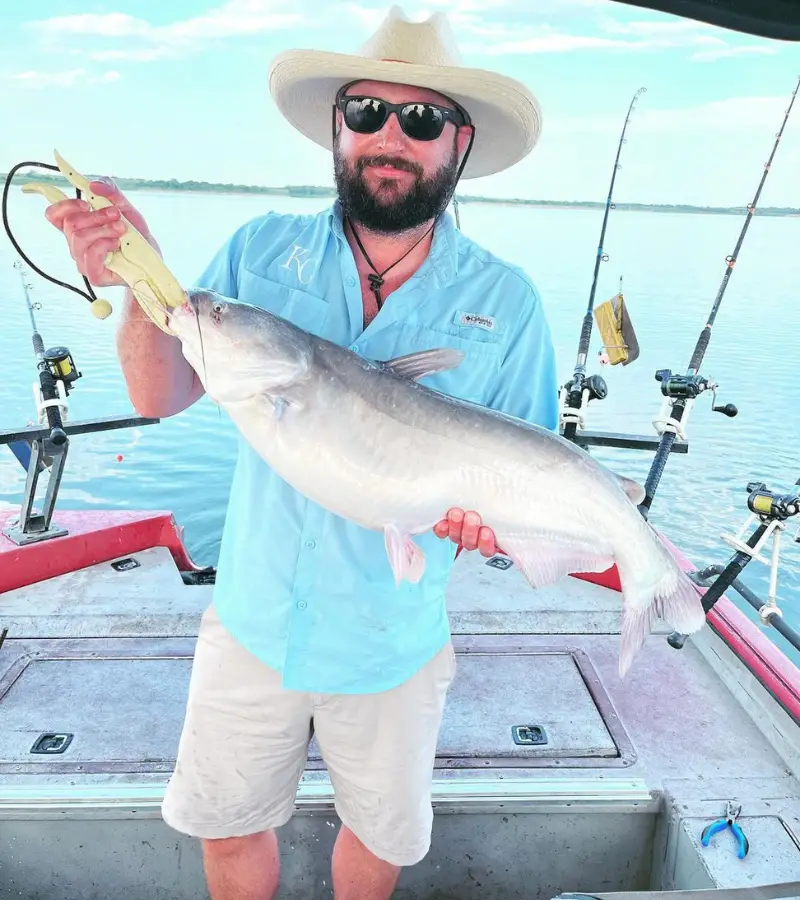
(91, 234)
(160, 381)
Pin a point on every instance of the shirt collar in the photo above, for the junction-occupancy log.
(442, 258)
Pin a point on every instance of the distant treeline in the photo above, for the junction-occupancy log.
(310, 190)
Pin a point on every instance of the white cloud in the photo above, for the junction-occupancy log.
(552, 42)
(37, 79)
(367, 16)
(103, 25)
(237, 17)
(152, 42)
(721, 52)
(137, 54)
(628, 37)
(662, 29)
(547, 40)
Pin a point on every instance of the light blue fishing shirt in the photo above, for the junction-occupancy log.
(310, 594)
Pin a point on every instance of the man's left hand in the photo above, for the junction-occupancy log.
(465, 528)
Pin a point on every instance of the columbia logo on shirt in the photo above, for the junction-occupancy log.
(476, 320)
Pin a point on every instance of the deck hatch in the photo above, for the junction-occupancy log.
(509, 688)
(116, 713)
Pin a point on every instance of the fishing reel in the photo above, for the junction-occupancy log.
(689, 387)
(57, 374)
(581, 390)
(680, 393)
(575, 395)
(768, 505)
(596, 386)
(61, 365)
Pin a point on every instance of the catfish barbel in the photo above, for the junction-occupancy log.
(366, 441)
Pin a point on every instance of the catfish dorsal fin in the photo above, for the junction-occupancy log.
(632, 488)
(426, 362)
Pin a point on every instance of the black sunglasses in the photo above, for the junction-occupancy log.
(420, 121)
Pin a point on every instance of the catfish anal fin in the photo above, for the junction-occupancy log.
(545, 562)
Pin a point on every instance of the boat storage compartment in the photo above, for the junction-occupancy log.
(518, 703)
(92, 706)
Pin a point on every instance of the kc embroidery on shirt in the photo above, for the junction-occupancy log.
(300, 257)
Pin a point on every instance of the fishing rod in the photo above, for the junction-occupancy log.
(772, 511)
(42, 448)
(56, 367)
(680, 391)
(581, 389)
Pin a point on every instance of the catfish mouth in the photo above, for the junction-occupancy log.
(177, 315)
(185, 323)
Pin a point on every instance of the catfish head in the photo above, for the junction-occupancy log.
(237, 349)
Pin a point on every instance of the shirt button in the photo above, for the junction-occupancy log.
(351, 281)
(302, 604)
(310, 545)
(354, 348)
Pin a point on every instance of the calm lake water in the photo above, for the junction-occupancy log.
(671, 265)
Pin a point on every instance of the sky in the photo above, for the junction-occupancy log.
(178, 89)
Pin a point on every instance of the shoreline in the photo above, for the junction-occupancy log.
(309, 192)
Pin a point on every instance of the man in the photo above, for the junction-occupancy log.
(307, 624)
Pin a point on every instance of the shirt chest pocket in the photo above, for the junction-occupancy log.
(474, 378)
(300, 307)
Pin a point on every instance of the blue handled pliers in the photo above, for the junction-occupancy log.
(728, 821)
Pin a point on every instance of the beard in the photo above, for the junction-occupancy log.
(392, 208)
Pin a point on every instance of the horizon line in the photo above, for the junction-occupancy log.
(301, 191)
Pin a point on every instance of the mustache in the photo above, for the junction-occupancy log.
(398, 162)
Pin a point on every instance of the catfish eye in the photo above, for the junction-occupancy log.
(217, 308)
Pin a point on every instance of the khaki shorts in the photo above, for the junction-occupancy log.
(245, 740)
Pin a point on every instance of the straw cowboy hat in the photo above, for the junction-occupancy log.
(506, 116)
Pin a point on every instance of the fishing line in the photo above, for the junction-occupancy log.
(595, 386)
(90, 296)
(202, 346)
(680, 391)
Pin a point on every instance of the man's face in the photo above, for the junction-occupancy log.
(388, 181)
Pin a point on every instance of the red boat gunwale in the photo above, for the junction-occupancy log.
(97, 536)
